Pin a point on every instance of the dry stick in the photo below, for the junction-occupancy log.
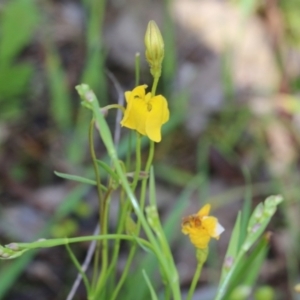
(117, 135)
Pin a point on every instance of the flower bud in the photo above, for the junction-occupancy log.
(154, 48)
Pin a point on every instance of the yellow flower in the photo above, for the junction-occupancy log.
(144, 113)
(201, 228)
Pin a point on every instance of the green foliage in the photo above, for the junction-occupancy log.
(18, 21)
(237, 265)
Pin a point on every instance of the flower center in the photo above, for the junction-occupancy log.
(149, 107)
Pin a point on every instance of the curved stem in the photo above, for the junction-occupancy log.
(110, 106)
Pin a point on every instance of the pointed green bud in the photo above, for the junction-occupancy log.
(154, 48)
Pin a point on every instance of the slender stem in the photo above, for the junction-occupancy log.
(138, 161)
(125, 271)
(142, 204)
(128, 154)
(144, 182)
(84, 266)
(154, 86)
(110, 106)
(104, 221)
(63, 241)
(78, 266)
(94, 159)
(124, 210)
(100, 197)
(195, 280)
(137, 68)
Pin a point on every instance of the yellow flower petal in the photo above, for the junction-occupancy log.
(210, 225)
(127, 96)
(199, 238)
(144, 113)
(204, 211)
(157, 113)
(135, 115)
(139, 92)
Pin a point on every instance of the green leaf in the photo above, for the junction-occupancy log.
(233, 247)
(254, 262)
(247, 271)
(75, 178)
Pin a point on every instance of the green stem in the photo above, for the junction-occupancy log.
(138, 161)
(142, 204)
(154, 86)
(94, 159)
(78, 266)
(120, 228)
(128, 154)
(125, 271)
(110, 106)
(137, 69)
(100, 198)
(63, 241)
(144, 182)
(194, 281)
(104, 261)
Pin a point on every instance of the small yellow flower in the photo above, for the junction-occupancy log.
(144, 113)
(201, 228)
